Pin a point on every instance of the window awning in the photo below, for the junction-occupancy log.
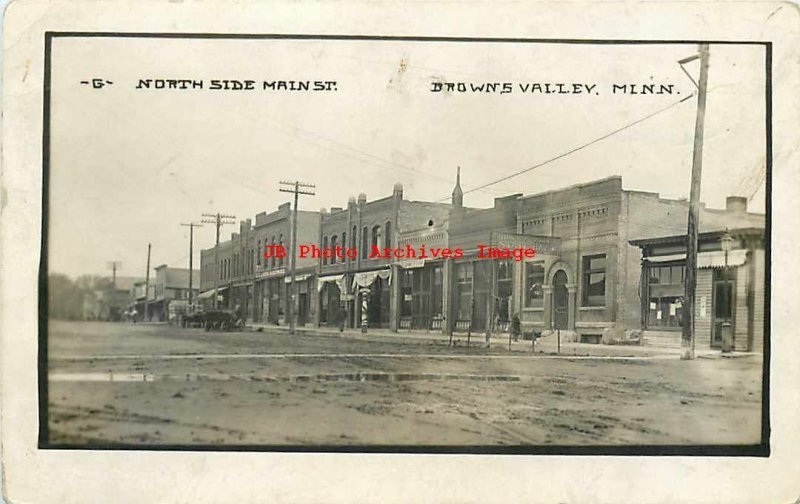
(716, 259)
(339, 279)
(366, 278)
(297, 278)
(206, 294)
(413, 263)
(666, 258)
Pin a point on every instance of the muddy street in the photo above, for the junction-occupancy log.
(128, 384)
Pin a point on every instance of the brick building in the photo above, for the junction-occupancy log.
(257, 285)
(359, 288)
(585, 279)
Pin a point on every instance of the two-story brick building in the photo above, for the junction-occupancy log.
(257, 285)
(585, 279)
(361, 288)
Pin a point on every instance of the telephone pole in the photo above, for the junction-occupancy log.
(113, 266)
(147, 285)
(218, 220)
(687, 339)
(294, 187)
(191, 226)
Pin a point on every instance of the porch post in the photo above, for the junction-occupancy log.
(447, 297)
(394, 299)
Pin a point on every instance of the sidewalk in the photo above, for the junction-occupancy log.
(544, 345)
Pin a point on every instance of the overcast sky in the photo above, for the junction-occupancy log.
(128, 166)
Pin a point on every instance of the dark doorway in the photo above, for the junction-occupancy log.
(723, 301)
(302, 309)
(560, 300)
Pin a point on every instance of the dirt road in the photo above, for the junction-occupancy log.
(134, 384)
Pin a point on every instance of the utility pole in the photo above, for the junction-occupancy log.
(191, 226)
(218, 220)
(113, 265)
(687, 339)
(111, 301)
(294, 187)
(147, 284)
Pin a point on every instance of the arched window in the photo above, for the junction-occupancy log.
(344, 244)
(324, 248)
(354, 237)
(387, 235)
(272, 250)
(280, 243)
(334, 238)
(364, 242)
(259, 252)
(376, 236)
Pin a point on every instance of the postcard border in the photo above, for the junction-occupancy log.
(761, 449)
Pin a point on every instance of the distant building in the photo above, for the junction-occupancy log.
(169, 286)
(109, 304)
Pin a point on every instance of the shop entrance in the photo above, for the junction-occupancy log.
(723, 300)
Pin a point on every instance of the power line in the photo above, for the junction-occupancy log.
(576, 149)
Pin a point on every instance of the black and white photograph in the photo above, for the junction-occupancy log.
(332, 243)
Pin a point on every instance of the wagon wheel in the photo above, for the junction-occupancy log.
(207, 325)
(225, 325)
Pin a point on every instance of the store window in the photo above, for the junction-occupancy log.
(406, 303)
(464, 291)
(665, 295)
(534, 282)
(594, 280)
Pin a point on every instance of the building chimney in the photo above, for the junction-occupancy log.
(736, 204)
(398, 191)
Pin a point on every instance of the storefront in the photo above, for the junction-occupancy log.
(729, 295)
(372, 290)
(305, 286)
(421, 291)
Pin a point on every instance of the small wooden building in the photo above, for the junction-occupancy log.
(730, 289)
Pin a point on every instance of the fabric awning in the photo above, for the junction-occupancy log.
(666, 258)
(414, 263)
(366, 278)
(297, 278)
(339, 279)
(206, 294)
(716, 259)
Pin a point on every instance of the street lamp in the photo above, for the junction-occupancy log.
(727, 244)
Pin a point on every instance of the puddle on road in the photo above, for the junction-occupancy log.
(329, 377)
